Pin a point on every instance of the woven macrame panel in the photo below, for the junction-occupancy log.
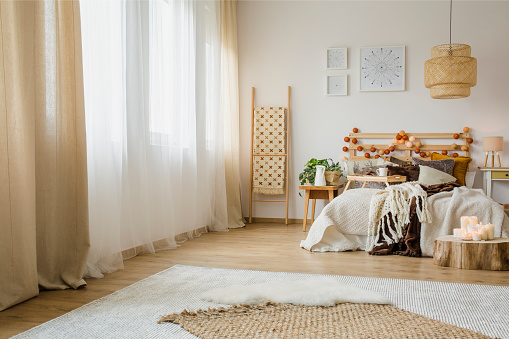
(269, 138)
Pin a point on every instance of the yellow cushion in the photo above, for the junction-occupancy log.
(460, 166)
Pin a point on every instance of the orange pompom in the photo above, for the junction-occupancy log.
(405, 137)
(454, 155)
(392, 148)
(355, 130)
(456, 136)
(367, 155)
(372, 149)
(402, 133)
(377, 156)
(398, 137)
(345, 149)
(417, 151)
(401, 141)
(428, 153)
(464, 148)
(387, 151)
(381, 152)
(422, 154)
(418, 144)
(466, 129)
(354, 141)
(470, 140)
(444, 152)
(359, 148)
(347, 139)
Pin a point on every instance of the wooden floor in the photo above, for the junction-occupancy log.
(268, 247)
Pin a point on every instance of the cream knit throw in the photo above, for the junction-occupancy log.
(395, 199)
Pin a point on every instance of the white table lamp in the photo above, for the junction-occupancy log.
(492, 145)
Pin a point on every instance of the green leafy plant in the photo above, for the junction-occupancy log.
(308, 174)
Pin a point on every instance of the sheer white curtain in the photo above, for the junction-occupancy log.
(154, 128)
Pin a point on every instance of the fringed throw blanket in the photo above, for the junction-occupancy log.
(396, 215)
(269, 138)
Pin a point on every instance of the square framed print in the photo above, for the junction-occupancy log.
(337, 58)
(382, 68)
(337, 84)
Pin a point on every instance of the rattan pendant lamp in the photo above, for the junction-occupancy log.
(451, 71)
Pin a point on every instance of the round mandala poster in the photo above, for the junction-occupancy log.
(383, 68)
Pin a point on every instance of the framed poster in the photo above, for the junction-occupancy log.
(337, 84)
(337, 58)
(382, 68)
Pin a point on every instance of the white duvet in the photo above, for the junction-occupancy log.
(343, 223)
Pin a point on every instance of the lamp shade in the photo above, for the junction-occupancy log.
(450, 72)
(493, 144)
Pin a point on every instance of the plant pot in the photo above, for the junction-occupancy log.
(332, 177)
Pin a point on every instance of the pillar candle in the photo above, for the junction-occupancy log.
(484, 232)
(457, 232)
(491, 231)
(472, 229)
(476, 236)
(473, 221)
(464, 222)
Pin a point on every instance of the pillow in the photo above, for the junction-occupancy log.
(469, 179)
(410, 172)
(431, 176)
(460, 166)
(445, 165)
(358, 184)
(359, 165)
(400, 162)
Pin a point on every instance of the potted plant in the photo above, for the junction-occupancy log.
(332, 172)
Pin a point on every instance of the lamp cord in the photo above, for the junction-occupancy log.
(450, 29)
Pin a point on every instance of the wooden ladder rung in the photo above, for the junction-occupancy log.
(270, 155)
(269, 200)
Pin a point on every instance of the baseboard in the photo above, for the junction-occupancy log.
(277, 220)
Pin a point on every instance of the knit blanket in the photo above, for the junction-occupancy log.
(393, 203)
(269, 143)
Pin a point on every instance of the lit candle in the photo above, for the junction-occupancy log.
(476, 236)
(457, 232)
(484, 232)
(473, 221)
(491, 231)
(467, 235)
(464, 222)
(472, 229)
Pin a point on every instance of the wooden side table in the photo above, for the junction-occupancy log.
(373, 178)
(472, 255)
(316, 192)
(493, 174)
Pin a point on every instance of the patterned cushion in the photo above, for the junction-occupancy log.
(460, 166)
(431, 176)
(400, 162)
(446, 165)
(410, 172)
(358, 184)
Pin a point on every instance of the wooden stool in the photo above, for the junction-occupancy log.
(472, 255)
(317, 192)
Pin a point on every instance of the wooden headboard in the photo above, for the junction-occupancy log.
(425, 138)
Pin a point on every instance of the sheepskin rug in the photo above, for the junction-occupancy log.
(321, 291)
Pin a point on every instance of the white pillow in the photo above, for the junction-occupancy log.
(430, 176)
(469, 179)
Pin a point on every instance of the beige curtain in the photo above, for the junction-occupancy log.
(43, 181)
(230, 106)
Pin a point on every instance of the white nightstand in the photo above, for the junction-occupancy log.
(493, 174)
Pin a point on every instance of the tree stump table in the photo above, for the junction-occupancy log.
(472, 255)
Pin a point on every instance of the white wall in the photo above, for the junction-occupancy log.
(283, 43)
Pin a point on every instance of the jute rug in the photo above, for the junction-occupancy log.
(133, 312)
(273, 320)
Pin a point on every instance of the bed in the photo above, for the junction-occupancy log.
(344, 224)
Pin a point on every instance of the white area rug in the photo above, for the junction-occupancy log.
(300, 293)
(133, 311)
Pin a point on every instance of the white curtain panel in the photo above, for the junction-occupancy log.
(154, 126)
